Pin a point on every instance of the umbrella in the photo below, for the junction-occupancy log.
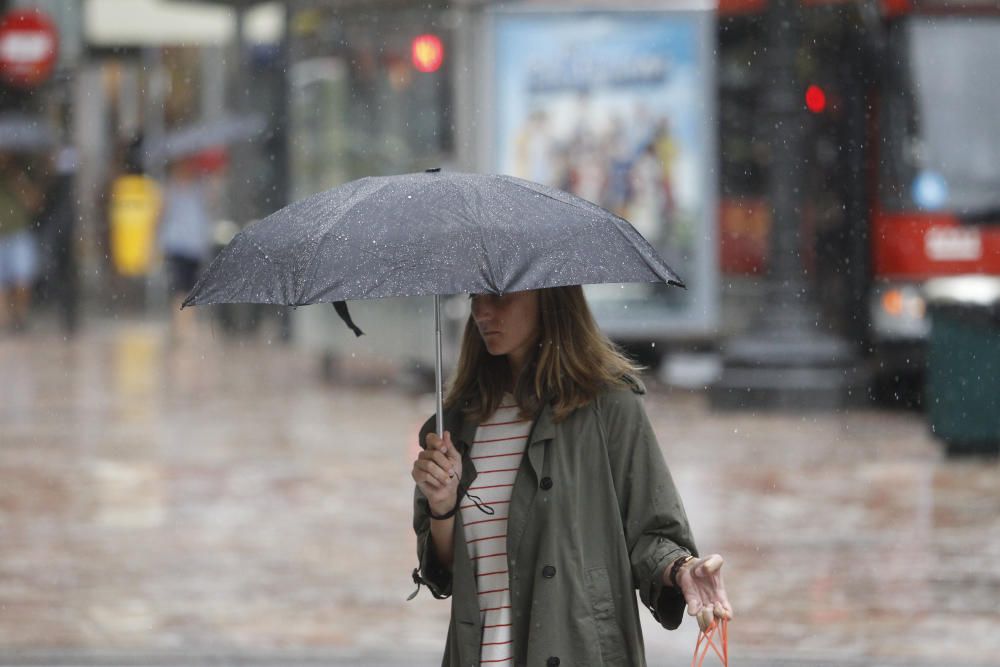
(195, 138)
(22, 133)
(428, 233)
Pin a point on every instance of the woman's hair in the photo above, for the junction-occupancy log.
(571, 363)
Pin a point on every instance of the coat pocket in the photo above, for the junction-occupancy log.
(602, 608)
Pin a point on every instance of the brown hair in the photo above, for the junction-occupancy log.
(572, 362)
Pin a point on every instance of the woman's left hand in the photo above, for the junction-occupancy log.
(700, 580)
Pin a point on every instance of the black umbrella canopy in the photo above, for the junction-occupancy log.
(427, 233)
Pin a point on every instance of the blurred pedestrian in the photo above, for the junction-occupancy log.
(56, 223)
(185, 239)
(20, 201)
(548, 502)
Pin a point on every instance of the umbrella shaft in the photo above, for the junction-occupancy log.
(438, 388)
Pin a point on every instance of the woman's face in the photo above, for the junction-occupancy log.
(509, 323)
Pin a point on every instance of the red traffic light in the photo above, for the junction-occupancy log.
(427, 53)
(815, 99)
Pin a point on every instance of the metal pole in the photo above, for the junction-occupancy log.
(242, 197)
(787, 360)
(154, 163)
(438, 387)
(282, 156)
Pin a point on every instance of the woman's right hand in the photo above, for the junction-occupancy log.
(700, 580)
(437, 472)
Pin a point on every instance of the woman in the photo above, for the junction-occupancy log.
(547, 502)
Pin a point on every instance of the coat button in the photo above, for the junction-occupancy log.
(548, 571)
(552, 662)
(546, 483)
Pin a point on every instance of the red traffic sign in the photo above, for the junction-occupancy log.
(29, 43)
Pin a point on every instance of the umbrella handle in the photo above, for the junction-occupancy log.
(438, 389)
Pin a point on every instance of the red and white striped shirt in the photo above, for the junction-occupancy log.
(497, 451)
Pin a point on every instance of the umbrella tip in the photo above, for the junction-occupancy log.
(432, 170)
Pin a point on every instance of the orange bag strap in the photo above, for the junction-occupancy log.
(706, 641)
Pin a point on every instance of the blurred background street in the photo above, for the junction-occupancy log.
(230, 484)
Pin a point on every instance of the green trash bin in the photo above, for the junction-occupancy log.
(963, 363)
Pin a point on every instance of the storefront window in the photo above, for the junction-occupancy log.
(361, 104)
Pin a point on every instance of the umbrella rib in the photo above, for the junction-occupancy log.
(497, 275)
(487, 255)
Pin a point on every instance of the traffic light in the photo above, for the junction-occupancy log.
(815, 99)
(427, 53)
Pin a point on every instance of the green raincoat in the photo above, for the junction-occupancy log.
(595, 508)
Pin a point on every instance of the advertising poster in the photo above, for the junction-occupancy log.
(618, 108)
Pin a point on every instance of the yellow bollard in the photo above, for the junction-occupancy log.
(135, 206)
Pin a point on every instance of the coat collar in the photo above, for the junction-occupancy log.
(635, 384)
(543, 428)
(541, 431)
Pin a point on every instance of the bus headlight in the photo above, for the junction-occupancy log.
(899, 311)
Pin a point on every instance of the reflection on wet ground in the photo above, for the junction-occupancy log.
(220, 496)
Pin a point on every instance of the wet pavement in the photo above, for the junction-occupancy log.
(218, 503)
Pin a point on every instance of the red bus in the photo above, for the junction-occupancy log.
(902, 171)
